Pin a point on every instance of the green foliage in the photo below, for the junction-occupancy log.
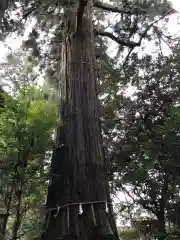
(27, 123)
(27, 116)
(129, 234)
(141, 134)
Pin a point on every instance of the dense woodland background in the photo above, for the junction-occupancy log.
(141, 132)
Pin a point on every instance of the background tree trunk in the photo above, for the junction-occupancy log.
(78, 170)
(161, 227)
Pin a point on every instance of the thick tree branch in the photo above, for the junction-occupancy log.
(129, 44)
(117, 9)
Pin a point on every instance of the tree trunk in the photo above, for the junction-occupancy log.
(17, 221)
(78, 169)
(162, 234)
(18, 186)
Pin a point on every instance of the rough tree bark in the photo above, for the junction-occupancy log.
(78, 168)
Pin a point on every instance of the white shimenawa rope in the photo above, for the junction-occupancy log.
(80, 204)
